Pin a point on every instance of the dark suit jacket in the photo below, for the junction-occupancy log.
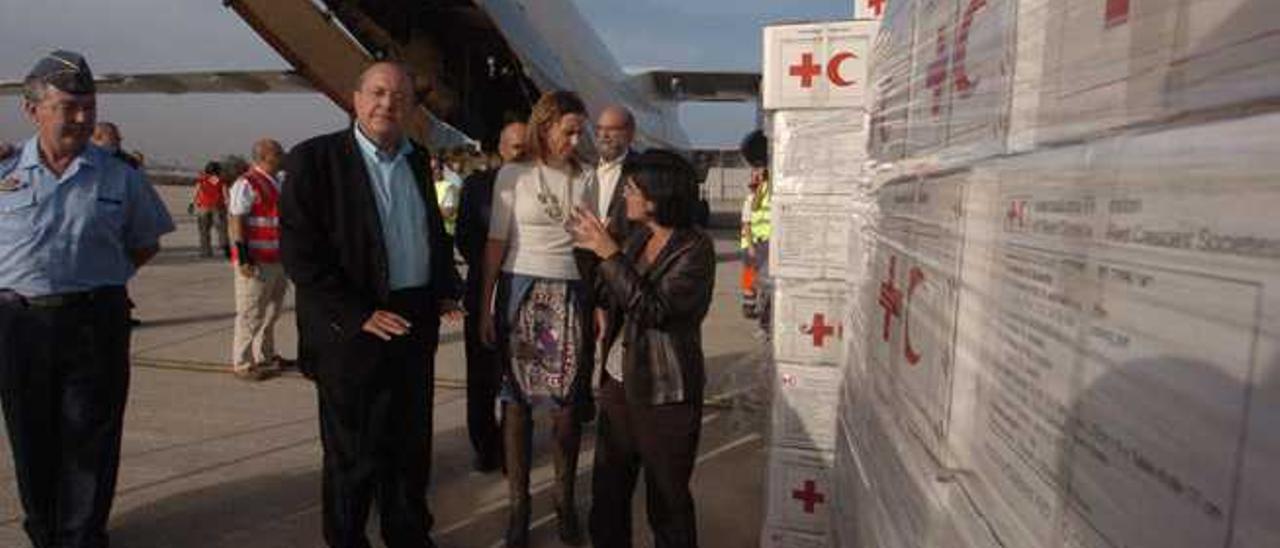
(331, 240)
(619, 227)
(474, 209)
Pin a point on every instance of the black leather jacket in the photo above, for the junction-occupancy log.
(657, 313)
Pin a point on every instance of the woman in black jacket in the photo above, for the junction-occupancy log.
(655, 291)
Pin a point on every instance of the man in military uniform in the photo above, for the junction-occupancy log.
(75, 224)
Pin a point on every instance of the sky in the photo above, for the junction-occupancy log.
(191, 35)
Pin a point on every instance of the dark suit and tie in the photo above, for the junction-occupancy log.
(375, 395)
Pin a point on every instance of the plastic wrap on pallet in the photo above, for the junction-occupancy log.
(909, 299)
(1118, 64)
(1107, 65)
(809, 322)
(800, 491)
(890, 75)
(1031, 27)
(777, 537)
(907, 495)
(930, 82)
(1077, 323)
(805, 402)
(1225, 53)
(1130, 340)
(811, 236)
(980, 77)
(845, 529)
(820, 151)
(962, 80)
(891, 493)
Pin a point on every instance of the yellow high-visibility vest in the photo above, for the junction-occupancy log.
(761, 225)
(442, 199)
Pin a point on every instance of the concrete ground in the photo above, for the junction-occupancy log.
(210, 461)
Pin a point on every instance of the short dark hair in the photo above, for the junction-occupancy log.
(755, 149)
(213, 168)
(669, 181)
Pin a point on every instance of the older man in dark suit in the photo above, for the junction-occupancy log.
(364, 243)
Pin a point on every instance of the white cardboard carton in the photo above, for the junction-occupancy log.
(809, 322)
(819, 65)
(818, 152)
(811, 236)
(805, 401)
(800, 491)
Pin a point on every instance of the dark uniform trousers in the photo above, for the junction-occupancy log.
(484, 375)
(661, 439)
(375, 425)
(64, 379)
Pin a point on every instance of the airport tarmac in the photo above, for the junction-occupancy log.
(210, 461)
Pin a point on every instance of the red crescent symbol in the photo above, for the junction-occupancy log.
(833, 69)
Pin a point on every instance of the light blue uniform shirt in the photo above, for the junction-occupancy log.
(401, 210)
(74, 232)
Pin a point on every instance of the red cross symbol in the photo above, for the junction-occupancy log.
(806, 70)
(820, 330)
(938, 71)
(890, 297)
(877, 5)
(1117, 13)
(809, 495)
(1017, 213)
(963, 83)
(914, 279)
(895, 303)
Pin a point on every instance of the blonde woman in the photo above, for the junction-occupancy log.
(539, 316)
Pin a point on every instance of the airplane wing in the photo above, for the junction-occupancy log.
(703, 86)
(222, 82)
(261, 81)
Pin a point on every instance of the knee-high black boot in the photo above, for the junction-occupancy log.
(568, 434)
(517, 439)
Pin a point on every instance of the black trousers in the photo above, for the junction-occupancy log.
(64, 379)
(484, 375)
(375, 425)
(661, 439)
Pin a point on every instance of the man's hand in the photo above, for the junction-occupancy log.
(247, 270)
(451, 312)
(488, 331)
(385, 324)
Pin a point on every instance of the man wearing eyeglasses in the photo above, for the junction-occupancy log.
(75, 224)
(615, 130)
(362, 239)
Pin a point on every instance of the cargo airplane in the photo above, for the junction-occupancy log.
(478, 63)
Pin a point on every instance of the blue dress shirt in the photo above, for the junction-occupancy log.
(402, 212)
(74, 232)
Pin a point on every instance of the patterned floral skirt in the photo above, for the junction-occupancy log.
(542, 333)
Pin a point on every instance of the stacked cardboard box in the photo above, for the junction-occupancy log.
(1066, 327)
(817, 122)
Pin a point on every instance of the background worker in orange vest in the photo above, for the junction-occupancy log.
(260, 280)
(210, 208)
